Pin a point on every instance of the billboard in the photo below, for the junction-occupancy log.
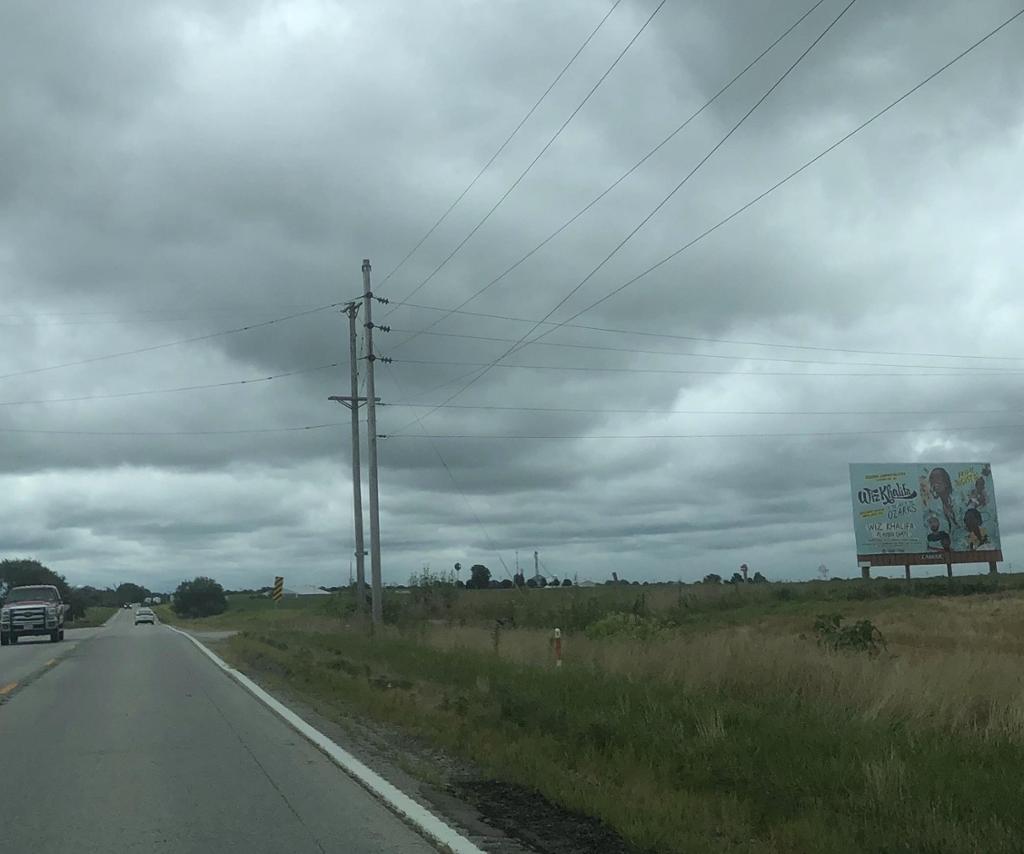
(921, 513)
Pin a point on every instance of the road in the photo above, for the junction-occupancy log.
(135, 741)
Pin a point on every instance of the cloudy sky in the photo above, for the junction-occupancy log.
(176, 170)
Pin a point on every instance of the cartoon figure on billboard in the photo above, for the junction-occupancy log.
(924, 492)
(938, 540)
(977, 497)
(942, 488)
(976, 535)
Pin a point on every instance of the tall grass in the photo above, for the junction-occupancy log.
(722, 726)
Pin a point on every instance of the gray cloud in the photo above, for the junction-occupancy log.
(201, 166)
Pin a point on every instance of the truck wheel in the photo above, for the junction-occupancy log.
(54, 636)
(12, 638)
(61, 635)
(4, 640)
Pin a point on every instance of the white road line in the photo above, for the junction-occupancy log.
(421, 818)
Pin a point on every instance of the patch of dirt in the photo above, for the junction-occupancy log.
(546, 827)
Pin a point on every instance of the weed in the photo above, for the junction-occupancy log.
(862, 636)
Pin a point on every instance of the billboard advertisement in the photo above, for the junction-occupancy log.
(918, 513)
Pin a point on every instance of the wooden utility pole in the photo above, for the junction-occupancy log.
(352, 402)
(376, 590)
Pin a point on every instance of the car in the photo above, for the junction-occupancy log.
(32, 611)
(145, 615)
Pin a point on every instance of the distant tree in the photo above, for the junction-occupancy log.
(554, 582)
(506, 583)
(128, 593)
(736, 578)
(531, 582)
(480, 575)
(712, 578)
(567, 582)
(200, 597)
(25, 572)
(759, 579)
(460, 584)
(542, 581)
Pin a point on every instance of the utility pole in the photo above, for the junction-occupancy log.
(377, 609)
(352, 402)
(536, 561)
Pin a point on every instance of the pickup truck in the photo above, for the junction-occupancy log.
(28, 611)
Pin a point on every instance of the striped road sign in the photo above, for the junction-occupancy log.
(278, 592)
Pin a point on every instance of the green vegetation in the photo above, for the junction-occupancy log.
(200, 597)
(709, 717)
(94, 616)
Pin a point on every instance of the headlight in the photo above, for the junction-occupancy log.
(5, 615)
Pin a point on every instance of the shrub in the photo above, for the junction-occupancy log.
(625, 625)
(862, 636)
(200, 597)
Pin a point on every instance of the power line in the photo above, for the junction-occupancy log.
(696, 338)
(618, 180)
(634, 350)
(760, 412)
(483, 372)
(167, 344)
(811, 434)
(501, 147)
(458, 488)
(795, 172)
(963, 372)
(163, 433)
(146, 392)
(540, 154)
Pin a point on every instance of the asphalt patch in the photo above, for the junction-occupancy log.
(532, 819)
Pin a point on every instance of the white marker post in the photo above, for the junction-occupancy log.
(558, 647)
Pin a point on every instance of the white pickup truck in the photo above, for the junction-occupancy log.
(32, 611)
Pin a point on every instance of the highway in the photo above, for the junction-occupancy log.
(133, 740)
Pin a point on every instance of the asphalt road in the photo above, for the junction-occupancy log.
(135, 741)
(31, 655)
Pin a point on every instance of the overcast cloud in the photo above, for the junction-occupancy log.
(173, 169)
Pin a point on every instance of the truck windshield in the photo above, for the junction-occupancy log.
(26, 594)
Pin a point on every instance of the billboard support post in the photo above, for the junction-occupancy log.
(992, 569)
(906, 569)
(949, 570)
(865, 570)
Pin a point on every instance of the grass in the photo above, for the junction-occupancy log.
(703, 719)
(94, 616)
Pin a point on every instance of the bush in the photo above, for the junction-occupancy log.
(862, 636)
(200, 597)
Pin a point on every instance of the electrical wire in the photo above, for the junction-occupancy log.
(169, 433)
(483, 407)
(634, 350)
(617, 181)
(151, 348)
(540, 154)
(919, 430)
(484, 371)
(501, 147)
(756, 199)
(455, 483)
(146, 392)
(700, 339)
(964, 372)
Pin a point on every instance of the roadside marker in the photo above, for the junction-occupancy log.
(394, 798)
(8, 688)
(50, 663)
(278, 592)
(558, 647)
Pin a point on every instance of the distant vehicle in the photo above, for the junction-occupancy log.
(148, 600)
(157, 600)
(145, 615)
(126, 606)
(32, 611)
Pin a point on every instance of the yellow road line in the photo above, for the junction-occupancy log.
(50, 663)
(8, 688)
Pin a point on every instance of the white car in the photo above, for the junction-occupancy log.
(145, 615)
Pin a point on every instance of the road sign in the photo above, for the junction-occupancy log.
(278, 591)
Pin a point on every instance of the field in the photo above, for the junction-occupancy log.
(697, 717)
